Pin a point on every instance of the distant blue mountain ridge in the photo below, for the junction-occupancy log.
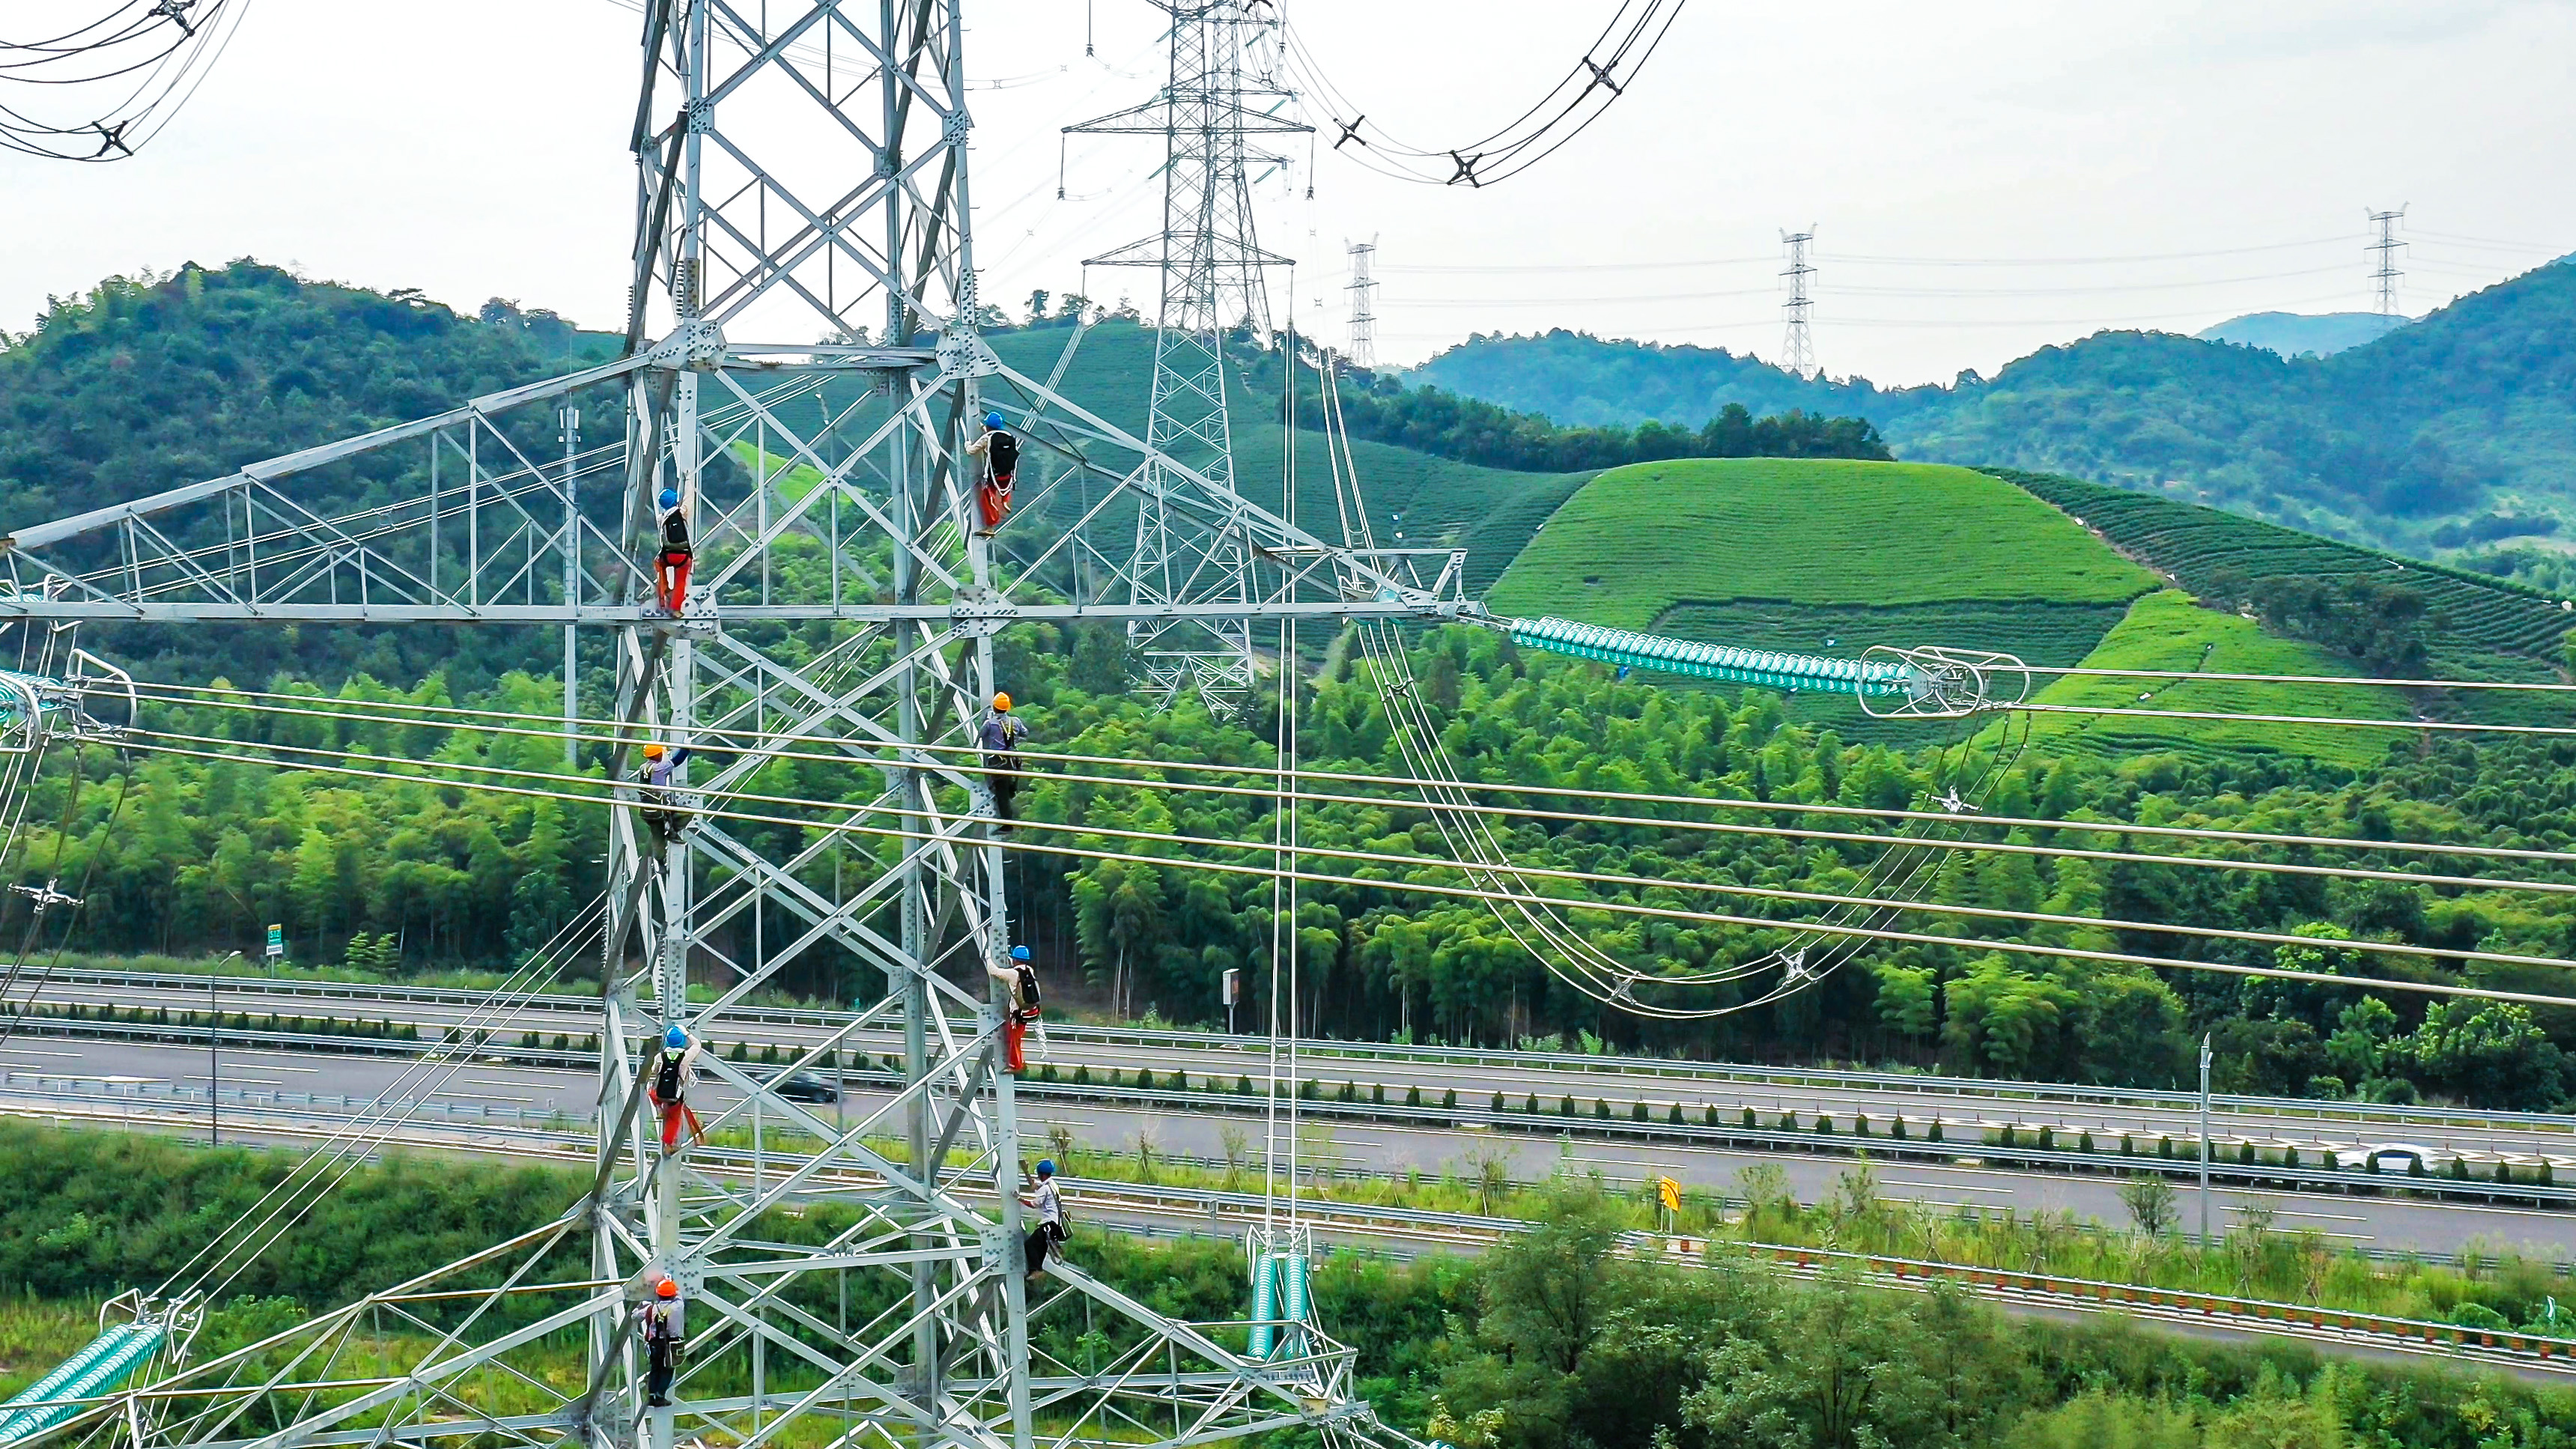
(2430, 428)
(2294, 334)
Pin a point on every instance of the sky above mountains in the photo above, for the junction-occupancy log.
(1983, 180)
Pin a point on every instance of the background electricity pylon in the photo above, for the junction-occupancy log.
(800, 174)
(1221, 91)
(1363, 290)
(2385, 273)
(1798, 349)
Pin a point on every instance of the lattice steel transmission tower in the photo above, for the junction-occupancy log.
(1363, 290)
(1797, 349)
(1222, 90)
(2386, 273)
(802, 172)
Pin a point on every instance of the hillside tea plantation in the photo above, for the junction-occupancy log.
(2194, 544)
(1637, 541)
(2168, 631)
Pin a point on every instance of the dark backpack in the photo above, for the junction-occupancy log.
(1028, 982)
(675, 530)
(1005, 453)
(666, 1083)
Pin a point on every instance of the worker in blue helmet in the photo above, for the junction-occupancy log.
(671, 564)
(674, 1074)
(1001, 454)
(1048, 1204)
(1024, 1009)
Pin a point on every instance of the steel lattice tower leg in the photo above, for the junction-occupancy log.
(842, 606)
(1209, 264)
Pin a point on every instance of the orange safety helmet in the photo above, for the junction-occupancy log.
(666, 1289)
(652, 752)
(1002, 702)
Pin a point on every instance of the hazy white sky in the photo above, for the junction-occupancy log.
(2167, 165)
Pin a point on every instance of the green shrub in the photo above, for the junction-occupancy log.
(1531, 1105)
(1082, 1071)
(1674, 1117)
(1449, 1100)
(1637, 1110)
(1412, 1094)
(1933, 1133)
(1243, 1085)
(1145, 1079)
(1860, 1124)
(1565, 1108)
(1600, 1109)
(1748, 1118)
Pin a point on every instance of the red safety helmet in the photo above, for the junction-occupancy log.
(666, 1289)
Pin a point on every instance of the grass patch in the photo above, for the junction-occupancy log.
(1637, 541)
(2167, 631)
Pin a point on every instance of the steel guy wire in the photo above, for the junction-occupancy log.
(1622, 908)
(760, 742)
(379, 1118)
(1636, 883)
(1662, 824)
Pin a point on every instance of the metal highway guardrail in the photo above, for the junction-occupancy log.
(1841, 1079)
(1726, 1136)
(1216, 1208)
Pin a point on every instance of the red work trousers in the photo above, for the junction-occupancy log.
(1015, 1033)
(671, 577)
(672, 1115)
(995, 499)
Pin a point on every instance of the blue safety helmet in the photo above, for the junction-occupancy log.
(1019, 953)
(992, 420)
(1046, 1167)
(675, 1039)
(670, 498)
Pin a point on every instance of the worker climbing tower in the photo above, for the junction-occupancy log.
(802, 172)
(1223, 90)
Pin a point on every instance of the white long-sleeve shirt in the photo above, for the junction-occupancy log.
(1047, 1203)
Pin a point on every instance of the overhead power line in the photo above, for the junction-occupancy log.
(104, 89)
(1603, 73)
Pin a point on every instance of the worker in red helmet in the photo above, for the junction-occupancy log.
(659, 1322)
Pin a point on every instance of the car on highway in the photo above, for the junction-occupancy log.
(804, 1087)
(2386, 1157)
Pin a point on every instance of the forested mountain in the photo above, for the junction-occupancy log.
(2457, 430)
(143, 385)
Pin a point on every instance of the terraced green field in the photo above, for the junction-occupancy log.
(2167, 631)
(1641, 540)
(2192, 544)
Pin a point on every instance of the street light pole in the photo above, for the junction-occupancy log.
(214, 1059)
(2204, 1140)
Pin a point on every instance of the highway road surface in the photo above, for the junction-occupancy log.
(2386, 1223)
(2313, 1128)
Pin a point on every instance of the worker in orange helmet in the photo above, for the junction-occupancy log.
(660, 1323)
(1000, 739)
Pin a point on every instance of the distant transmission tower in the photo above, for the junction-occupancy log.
(1363, 290)
(1798, 349)
(1223, 89)
(2385, 249)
